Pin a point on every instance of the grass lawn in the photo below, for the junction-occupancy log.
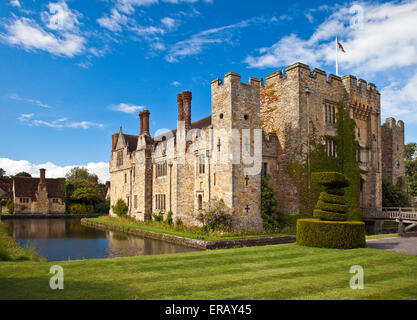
(285, 271)
(194, 233)
(382, 235)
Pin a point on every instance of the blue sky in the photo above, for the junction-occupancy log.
(73, 71)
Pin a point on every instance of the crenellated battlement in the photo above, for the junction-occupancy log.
(296, 70)
(234, 78)
(392, 123)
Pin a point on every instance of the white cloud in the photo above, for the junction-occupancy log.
(60, 17)
(170, 23)
(128, 6)
(158, 46)
(61, 123)
(114, 22)
(15, 3)
(126, 108)
(147, 32)
(380, 42)
(84, 65)
(387, 37)
(198, 41)
(26, 33)
(32, 101)
(12, 167)
(175, 83)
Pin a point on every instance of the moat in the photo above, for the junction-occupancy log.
(66, 239)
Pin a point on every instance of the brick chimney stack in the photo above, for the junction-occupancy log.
(42, 176)
(144, 121)
(180, 107)
(186, 100)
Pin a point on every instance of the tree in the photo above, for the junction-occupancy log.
(23, 174)
(410, 150)
(2, 173)
(87, 194)
(269, 206)
(77, 174)
(393, 196)
(411, 167)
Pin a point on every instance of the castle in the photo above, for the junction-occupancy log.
(254, 129)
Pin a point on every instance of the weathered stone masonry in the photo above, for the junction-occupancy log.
(179, 170)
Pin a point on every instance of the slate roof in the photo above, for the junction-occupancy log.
(132, 141)
(27, 187)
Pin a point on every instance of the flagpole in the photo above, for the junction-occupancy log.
(337, 64)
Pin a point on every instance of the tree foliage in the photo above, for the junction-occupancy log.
(393, 196)
(23, 174)
(269, 205)
(345, 162)
(2, 173)
(77, 174)
(120, 208)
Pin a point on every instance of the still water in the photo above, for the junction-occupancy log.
(66, 239)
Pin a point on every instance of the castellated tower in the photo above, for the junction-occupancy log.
(393, 154)
(237, 136)
(284, 112)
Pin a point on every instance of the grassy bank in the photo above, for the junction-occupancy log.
(10, 251)
(284, 271)
(193, 233)
(382, 235)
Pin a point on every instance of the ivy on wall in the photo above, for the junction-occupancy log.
(345, 162)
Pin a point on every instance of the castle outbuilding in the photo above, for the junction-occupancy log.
(33, 195)
(253, 129)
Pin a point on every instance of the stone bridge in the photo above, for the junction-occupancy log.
(405, 217)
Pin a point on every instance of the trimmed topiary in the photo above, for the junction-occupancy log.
(331, 204)
(331, 234)
(330, 179)
(330, 229)
(332, 207)
(328, 215)
(331, 198)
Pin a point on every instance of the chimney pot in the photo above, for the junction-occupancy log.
(42, 176)
(186, 100)
(144, 121)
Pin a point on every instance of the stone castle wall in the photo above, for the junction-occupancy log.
(393, 153)
(280, 108)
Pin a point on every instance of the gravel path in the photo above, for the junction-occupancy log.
(399, 244)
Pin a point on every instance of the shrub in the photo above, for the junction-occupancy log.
(169, 219)
(393, 196)
(331, 204)
(120, 208)
(102, 207)
(331, 198)
(331, 234)
(215, 215)
(330, 179)
(10, 207)
(178, 222)
(158, 217)
(78, 208)
(269, 206)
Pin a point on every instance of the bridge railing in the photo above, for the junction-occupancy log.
(390, 213)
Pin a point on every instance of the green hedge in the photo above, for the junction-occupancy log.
(331, 198)
(328, 215)
(330, 179)
(333, 207)
(336, 191)
(331, 234)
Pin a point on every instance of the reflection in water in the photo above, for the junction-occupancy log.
(67, 239)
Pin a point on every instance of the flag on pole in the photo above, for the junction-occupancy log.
(340, 46)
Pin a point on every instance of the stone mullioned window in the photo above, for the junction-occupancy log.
(161, 169)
